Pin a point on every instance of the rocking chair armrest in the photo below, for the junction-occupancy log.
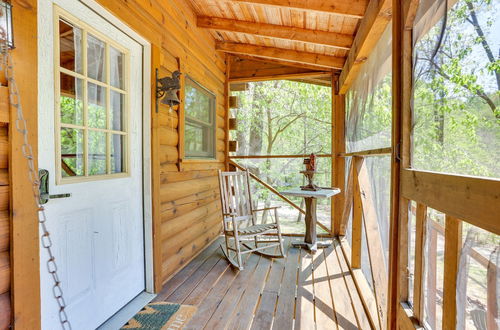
(266, 209)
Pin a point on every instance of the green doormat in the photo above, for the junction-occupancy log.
(161, 315)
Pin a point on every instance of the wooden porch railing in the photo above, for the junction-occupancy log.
(461, 199)
(359, 201)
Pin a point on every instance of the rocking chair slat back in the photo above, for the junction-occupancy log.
(235, 193)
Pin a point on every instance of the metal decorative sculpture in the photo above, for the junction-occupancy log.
(309, 173)
(167, 88)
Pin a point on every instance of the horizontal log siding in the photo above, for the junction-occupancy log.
(188, 216)
(5, 266)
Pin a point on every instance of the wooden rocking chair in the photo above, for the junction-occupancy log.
(239, 220)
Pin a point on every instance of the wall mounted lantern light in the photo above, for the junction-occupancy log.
(6, 32)
(167, 88)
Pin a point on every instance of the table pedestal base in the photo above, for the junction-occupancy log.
(312, 247)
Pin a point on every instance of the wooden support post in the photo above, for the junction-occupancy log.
(227, 112)
(420, 236)
(25, 271)
(400, 159)
(338, 163)
(357, 218)
(452, 247)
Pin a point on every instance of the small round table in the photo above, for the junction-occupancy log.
(311, 197)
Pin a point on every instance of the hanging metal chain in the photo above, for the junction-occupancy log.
(21, 127)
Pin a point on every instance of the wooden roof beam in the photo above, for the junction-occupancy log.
(353, 8)
(337, 40)
(286, 55)
(290, 76)
(378, 15)
(280, 62)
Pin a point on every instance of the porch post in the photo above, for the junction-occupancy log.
(338, 162)
(25, 243)
(402, 20)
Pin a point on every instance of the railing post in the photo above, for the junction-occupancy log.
(420, 237)
(452, 247)
(357, 217)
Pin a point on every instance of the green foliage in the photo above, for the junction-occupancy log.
(284, 118)
(456, 93)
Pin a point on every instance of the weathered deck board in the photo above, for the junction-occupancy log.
(302, 291)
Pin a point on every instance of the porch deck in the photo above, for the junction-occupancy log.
(302, 291)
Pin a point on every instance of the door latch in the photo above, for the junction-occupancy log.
(44, 188)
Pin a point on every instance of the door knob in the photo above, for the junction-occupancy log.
(44, 188)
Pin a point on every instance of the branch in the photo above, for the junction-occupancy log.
(478, 92)
(475, 23)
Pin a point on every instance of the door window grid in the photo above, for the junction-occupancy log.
(115, 126)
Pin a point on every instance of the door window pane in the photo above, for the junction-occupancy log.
(70, 47)
(117, 110)
(97, 152)
(117, 153)
(93, 103)
(96, 106)
(71, 100)
(96, 58)
(116, 59)
(72, 160)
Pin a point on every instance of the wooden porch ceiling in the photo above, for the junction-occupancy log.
(336, 35)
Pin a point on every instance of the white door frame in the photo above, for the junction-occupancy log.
(146, 134)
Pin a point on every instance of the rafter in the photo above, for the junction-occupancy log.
(378, 15)
(338, 40)
(353, 8)
(287, 55)
(279, 62)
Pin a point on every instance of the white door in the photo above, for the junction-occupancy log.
(90, 142)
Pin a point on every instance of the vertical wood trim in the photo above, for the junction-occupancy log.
(155, 174)
(182, 119)
(420, 234)
(338, 163)
(25, 287)
(357, 218)
(227, 112)
(452, 247)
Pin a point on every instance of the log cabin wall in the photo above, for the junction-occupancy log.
(186, 203)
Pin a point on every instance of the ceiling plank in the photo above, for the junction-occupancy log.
(287, 55)
(353, 8)
(378, 15)
(337, 40)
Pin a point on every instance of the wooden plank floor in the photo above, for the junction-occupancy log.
(302, 291)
